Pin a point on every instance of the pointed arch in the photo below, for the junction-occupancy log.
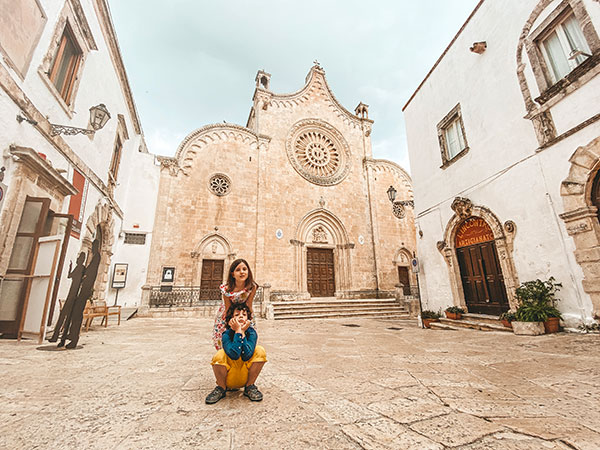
(320, 228)
(211, 246)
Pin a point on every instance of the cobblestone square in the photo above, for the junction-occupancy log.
(376, 384)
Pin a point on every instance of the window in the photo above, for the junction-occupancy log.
(77, 202)
(116, 159)
(564, 48)
(596, 193)
(135, 238)
(451, 135)
(65, 65)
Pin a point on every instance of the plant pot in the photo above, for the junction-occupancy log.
(453, 316)
(528, 328)
(552, 325)
(427, 322)
(506, 323)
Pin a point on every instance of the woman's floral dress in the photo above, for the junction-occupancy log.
(220, 326)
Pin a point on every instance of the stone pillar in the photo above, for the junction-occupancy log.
(144, 307)
(266, 301)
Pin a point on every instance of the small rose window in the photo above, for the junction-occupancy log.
(220, 184)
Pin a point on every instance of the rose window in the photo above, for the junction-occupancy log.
(399, 211)
(220, 184)
(318, 152)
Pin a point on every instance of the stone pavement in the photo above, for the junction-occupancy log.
(327, 385)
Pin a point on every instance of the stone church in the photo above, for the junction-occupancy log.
(296, 192)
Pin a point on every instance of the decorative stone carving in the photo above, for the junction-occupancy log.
(319, 235)
(510, 227)
(194, 255)
(322, 202)
(171, 164)
(441, 245)
(220, 184)
(398, 210)
(214, 246)
(318, 152)
(579, 228)
(462, 207)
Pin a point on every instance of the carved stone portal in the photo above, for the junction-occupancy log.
(462, 207)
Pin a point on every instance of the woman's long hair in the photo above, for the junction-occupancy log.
(236, 307)
(231, 280)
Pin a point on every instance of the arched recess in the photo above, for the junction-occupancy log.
(581, 216)
(320, 228)
(503, 237)
(211, 246)
(402, 264)
(102, 219)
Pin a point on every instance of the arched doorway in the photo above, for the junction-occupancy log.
(480, 271)
(596, 194)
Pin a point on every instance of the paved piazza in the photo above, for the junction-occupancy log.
(327, 386)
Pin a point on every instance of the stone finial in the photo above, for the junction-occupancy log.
(263, 80)
(362, 111)
(462, 207)
(322, 202)
(479, 47)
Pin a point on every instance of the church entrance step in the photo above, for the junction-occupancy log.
(484, 318)
(333, 308)
(475, 325)
(342, 314)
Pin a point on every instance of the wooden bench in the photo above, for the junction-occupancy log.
(93, 310)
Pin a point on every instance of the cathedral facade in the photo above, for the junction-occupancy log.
(296, 192)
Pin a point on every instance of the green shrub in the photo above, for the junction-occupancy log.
(509, 315)
(455, 310)
(428, 314)
(537, 301)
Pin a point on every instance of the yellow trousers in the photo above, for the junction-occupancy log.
(237, 370)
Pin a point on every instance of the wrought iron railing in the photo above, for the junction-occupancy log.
(182, 296)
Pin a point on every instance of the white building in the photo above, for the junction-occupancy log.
(59, 59)
(504, 143)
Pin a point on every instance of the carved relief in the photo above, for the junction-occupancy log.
(462, 207)
(510, 227)
(319, 235)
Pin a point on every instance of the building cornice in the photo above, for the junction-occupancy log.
(108, 29)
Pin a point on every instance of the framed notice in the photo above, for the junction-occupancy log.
(119, 275)
(168, 275)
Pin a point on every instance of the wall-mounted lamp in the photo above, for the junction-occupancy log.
(99, 115)
(391, 192)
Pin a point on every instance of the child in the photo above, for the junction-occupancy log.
(240, 360)
(239, 289)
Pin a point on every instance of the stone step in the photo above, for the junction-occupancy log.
(333, 308)
(338, 302)
(442, 326)
(485, 318)
(483, 326)
(379, 315)
(310, 311)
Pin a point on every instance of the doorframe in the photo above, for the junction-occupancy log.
(504, 235)
(324, 247)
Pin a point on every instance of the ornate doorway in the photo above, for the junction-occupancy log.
(320, 272)
(403, 279)
(211, 279)
(481, 275)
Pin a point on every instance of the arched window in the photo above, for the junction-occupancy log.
(596, 193)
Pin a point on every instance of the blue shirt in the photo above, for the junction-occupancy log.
(236, 346)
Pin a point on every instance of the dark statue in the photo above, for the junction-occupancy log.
(75, 275)
(74, 317)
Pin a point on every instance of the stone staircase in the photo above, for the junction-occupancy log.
(332, 308)
(480, 322)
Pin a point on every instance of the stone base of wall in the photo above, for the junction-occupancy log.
(288, 296)
(291, 296)
(189, 311)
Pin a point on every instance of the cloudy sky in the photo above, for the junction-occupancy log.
(192, 63)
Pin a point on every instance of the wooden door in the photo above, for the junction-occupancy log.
(212, 277)
(596, 193)
(404, 279)
(14, 287)
(482, 279)
(320, 276)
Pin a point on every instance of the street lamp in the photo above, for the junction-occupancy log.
(99, 115)
(391, 192)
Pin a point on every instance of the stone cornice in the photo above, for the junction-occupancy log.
(213, 132)
(390, 165)
(108, 29)
(40, 166)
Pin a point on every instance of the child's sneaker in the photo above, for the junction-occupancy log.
(253, 393)
(217, 394)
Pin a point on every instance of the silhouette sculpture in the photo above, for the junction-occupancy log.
(73, 324)
(75, 275)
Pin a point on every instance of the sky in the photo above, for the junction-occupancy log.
(192, 63)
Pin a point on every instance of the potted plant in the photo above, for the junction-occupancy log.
(506, 318)
(552, 323)
(537, 303)
(454, 312)
(429, 316)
